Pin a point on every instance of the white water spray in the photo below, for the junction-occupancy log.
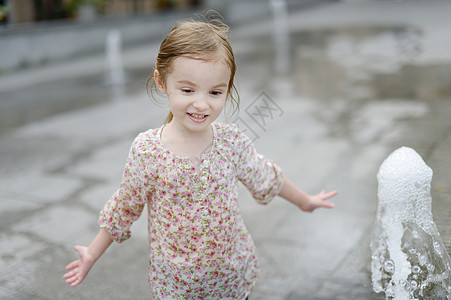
(115, 74)
(281, 36)
(409, 260)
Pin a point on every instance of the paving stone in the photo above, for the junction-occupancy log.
(106, 164)
(97, 195)
(42, 188)
(10, 206)
(98, 124)
(61, 226)
(17, 264)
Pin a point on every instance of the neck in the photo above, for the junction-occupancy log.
(186, 143)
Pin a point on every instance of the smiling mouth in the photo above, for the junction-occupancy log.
(197, 116)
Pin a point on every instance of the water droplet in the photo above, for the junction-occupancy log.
(390, 291)
(416, 269)
(413, 284)
(437, 248)
(389, 266)
(422, 259)
(430, 267)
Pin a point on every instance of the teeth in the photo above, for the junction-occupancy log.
(197, 116)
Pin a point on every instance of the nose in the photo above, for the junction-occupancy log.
(200, 103)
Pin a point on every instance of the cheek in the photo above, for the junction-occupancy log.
(175, 103)
(219, 104)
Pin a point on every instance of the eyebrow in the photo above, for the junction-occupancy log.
(186, 82)
(220, 85)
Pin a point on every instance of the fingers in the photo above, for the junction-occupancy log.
(77, 248)
(329, 195)
(73, 265)
(73, 278)
(326, 196)
(328, 205)
(69, 274)
(76, 281)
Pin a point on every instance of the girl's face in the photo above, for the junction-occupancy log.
(197, 92)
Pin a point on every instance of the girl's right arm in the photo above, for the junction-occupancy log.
(88, 256)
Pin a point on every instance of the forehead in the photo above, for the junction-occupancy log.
(200, 71)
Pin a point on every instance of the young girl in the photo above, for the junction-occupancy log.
(187, 172)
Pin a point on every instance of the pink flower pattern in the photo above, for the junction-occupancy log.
(199, 245)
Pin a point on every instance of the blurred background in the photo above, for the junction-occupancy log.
(43, 34)
(36, 34)
(328, 89)
(26, 12)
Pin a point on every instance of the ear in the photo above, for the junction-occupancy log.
(159, 82)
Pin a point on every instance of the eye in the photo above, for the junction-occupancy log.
(187, 90)
(216, 93)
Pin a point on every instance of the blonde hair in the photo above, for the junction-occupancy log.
(206, 40)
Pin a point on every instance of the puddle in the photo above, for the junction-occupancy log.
(367, 63)
(351, 63)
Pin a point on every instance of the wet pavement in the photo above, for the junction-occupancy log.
(366, 78)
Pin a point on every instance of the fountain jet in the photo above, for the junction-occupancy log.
(281, 36)
(115, 74)
(409, 260)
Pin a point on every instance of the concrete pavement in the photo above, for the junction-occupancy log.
(367, 77)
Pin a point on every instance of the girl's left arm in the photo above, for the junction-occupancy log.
(303, 200)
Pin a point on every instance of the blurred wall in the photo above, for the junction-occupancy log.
(21, 11)
(28, 11)
(25, 42)
(28, 47)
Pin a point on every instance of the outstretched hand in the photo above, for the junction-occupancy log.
(303, 200)
(318, 201)
(79, 268)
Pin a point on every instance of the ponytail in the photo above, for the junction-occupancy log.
(169, 118)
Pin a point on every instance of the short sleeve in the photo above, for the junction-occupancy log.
(127, 203)
(262, 177)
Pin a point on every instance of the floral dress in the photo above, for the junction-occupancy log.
(199, 245)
